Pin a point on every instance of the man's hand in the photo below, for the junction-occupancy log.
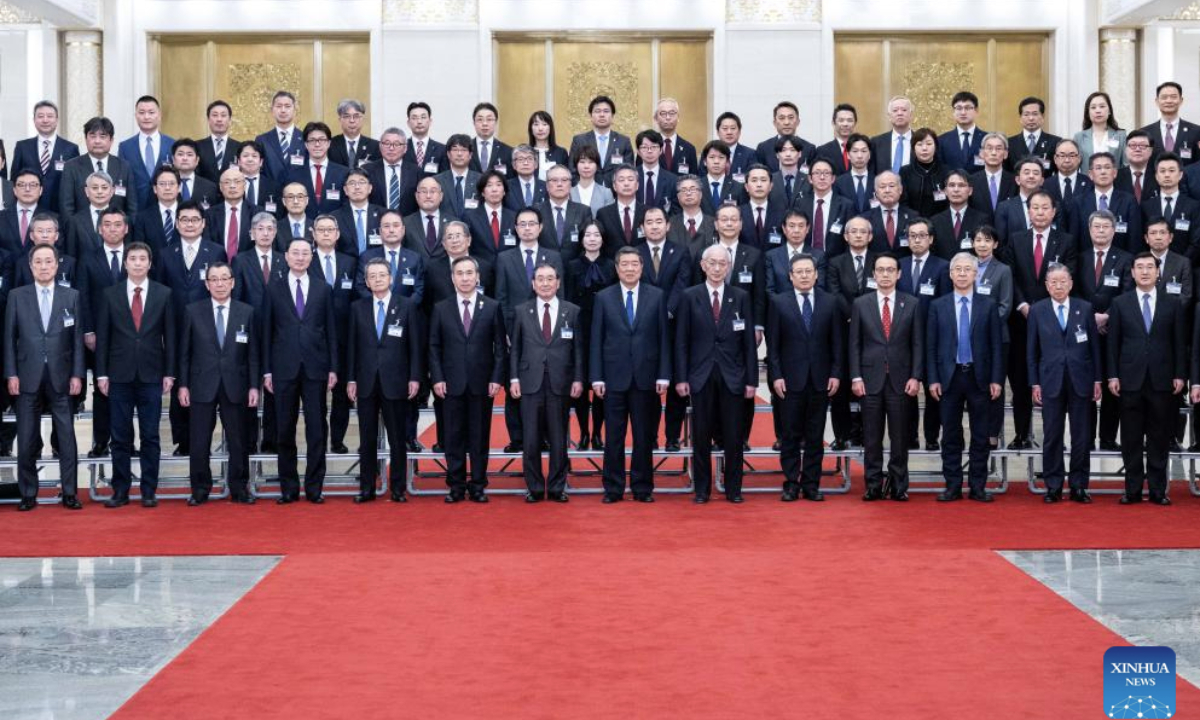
(1024, 310)
(268, 384)
(167, 384)
(102, 386)
(661, 387)
(750, 390)
(833, 386)
(935, 391)
(598, 388)
(332, 380)
(252, 401)
(1179, 384)
(514, 389)
(439, 389)
(1195, 392)
(1096, 393)
(493, 388)
(576, 389)
(185, 397)
(758, 337)
(683, 389)
(414, 387)
(89, 341)
(858, 388)
(1114, 387)
(1102, 323)
(995, 389)
(1037, 394)
(76, 386)
(912, 387)
(352, 391)
(779, 387)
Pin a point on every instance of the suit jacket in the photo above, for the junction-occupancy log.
(832, 151)
(1184, 223)
(275, 164)
(386, 363)
(981, 193)
(263, 192)
(601, 197)
(131, 151)
(450, 203)
(800, 186)
(206, 366)
(1115, 277)
(147, 228)
(741, 157)
(883, 151)
(1186, 136)
(674, 271)
(624, 356)
(945, 243)
(778, 267)
(532, 358)
(949, 150)
(96, 268)
(664, 189)
(292, 344)
(898, 357)
(435, 159)
(879, 238)
(764, 153)
(127, 354)
(933, 283)
(618, 151)
(414, 235)
(408, 280)
(209, 166)
(801, 356)
(347, 219)
(704, 349)
(10, 229)
(499, 158)
(1029, 287)
(846, 187)
(379, 175)
(31, 350)
(366, 149)
(1116, 147)
(69, 275)
(74, 175)
(285, 232)
(187, 286)
(941, 341)
(576, 216)
(1056, 357)
(479, 222)
(772, 226)
(1120, 204)
(1146, 360)
(439, 284)
(80, 234)
(706, 232)
(612, 227)
(995, 281)
(1173, 269)
(342, 294)
(730, 191)
(199, 188)
(467, 362)
(249, 286)
(1043, 149)
(514, 195)
(683, 157)
(512, 283)
(1011, 218)
(27, 156)
(216, 226)
(843, 279)
(747, 271)
(1125, 180)
(836, 211)
(333, 181)
(1080, 185)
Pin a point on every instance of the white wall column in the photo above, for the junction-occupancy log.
(84, 81)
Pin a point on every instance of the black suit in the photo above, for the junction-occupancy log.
(147, 228)
(1129, 233)
(514, 195)
(365, 150)
(1146, 364)
(1187, 137)
(75, 174)
(673, 277)
(729, 192)
(347, 219)
(1126, 182)
(483, 243)
(380, 175)
(198, 188)
(835, 211)
(435, 160)
(981, 192)
(847, 187)
(1115, 279)
(499, 158)
(345, 270)
(210, 165)
(832, 151)
(286, 232)
(584, 280)
(97, 267)
(415, 235)
(681, 232)
(263, 193)
(250, 288)
(946, 242)
(1184, 222)
(219, 372)
(1043, 150)
(27, 156)
(845, 283)
(681, 159)
(575, 217)
(611, 219)
(216, 227)
(879, 237)
(771, 234)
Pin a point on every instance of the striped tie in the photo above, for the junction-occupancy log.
(45, 157)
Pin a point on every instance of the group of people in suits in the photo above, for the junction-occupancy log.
(616, 277)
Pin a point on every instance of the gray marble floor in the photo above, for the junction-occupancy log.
(79, 636)
(1148, 597)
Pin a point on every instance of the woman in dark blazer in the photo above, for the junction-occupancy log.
(923, 181)
(541, 139)
(588, 274)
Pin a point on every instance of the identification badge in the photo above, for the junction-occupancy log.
(836, 228)
(568, 333)
(395, 331)
(739, 325)
(871, 284)
(965, 244)
(63, 282)
(1112, 143)
(333, 194)
(1174, 288)
(119, 190)
(374, 239)
(874, 202)
(984, 289)
(729, 201)
(574, 236)
(1183, 224)
(470, 203)
(1112, 281)
(617, 160)
(59, 165)
(1186, 153)
(739, 177)
(242, 337)
(803, 169)
(641, 233)
(927, 289)
(978, 160)
(431, 167)
(1122, 227)
(68, 321)
(270, 206)
(902, 241)
(683, 169)
(774, 238)
(297, 159)
(939, 195)
(1045, 163)
(509, 239)
(347, 284)
(745, 277)
(501, 168)
(1080, 335)
(407, 279)
(203, 273)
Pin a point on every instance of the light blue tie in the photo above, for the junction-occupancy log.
(1104, 202)
(45, 308)
(964, 333)
(528, 195)
(1062, 318)
(629, 306)
(898, 158)
(361, 227)
(329, 270)
(1146, 317)
(148, 157)
(392, 262)
(221, 326)
(602, 146)
(296, 230)
(379, 320)
(394, 188)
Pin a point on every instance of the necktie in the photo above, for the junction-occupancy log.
(24, 225)
(1062, 318)
(220, 151)
(691, 228)
(1137, 186)
(650, 188)
(221, 326)
(528, 194)
(716, 195)
(296, 230)
(135, 309)
(466, 316)
(299, 299)
(1103, 202)
(1146, 316)
(629, 306)
(966, 148)
(656, 260)
(806, 311)
(379, 319)
(458, 191)
(1037, 257)
(1169, 140)
(96, 220)
(45, 157)
(957, 223)
(860, 193)
(352, 154)
(483, 154)
(421, 153)
(266, 268)
(187, 189)
(964, 332)
(329, 270)
(668, 155)
(758, 224)
(360, 228)
(845, 156)
(546, 322)
(189, 254)
(285, 142)
(99, 166)
(394, 188)
(787, 186)
(858, 269)
(529, 266)
(716, 307)
(1029, 143)
(392, 262)
(819, 226)
(1066, 188)
(890, 228)
(1099, 266)
(148, 157)
(231, 235)
(251, 195)
(887, 320)
(897, 157)
(603, 148)
(45, 309)
(114, 265)
(994, 190)
(430, 234)
(1169, 211)
(319, 184)
(495, 228)
(628, 225)
(916, 278)
(168, 226)
(560, 224)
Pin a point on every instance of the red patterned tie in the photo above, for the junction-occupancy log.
(1099, 266)
(546, 321)
(716, 307)
(887, 320)
(691, 227)
(1037, 257)
(628, 227)
(1137, 187)
(668, 155)
(957, 224)
(136, 309)
(319, 185)
(266, 270)
(231, 236)
(890, 228)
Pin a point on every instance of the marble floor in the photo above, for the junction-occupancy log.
(79, 636)
(1148, 597)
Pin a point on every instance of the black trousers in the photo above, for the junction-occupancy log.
(674, 414)
(270, 429)
(963, 392)
(180, 419)
(847, 424)
(995, 425)
(1109, 408)
(288, 396)
(468, 423)
(1145, 427)
(394, 413)
(512, 419)
(203, 423)
(1055, 411)
(544, 416)
(717, 409)
(886, 408)
(101, 434)
(1018, 376)
(339, 413)
(123, 400)
(589, 407)
(639, 408)
(802, 416)
(930, 419)
(30, 404)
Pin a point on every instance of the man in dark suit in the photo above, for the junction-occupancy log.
(155, 225)
(81, 232)
(337, 271)
(261, 188)
(729, 131)
(299, 361)
(690, 227)
(1146, 366)
(1181, 212)
(964, 366)
(829, 212)
(524, 190)
(565, 218)
(667, 266)
(294, 222)
(43, 361)
(790, 180)
(103, 267)
(492, 224)
(656, 184)
(630, 367)
(459, 182)
(1175, 277)
(1012, 215)
(146, 150)
(719, 187)
(926, 277)
(1137, 176)
(406, 266)
(227, 224)
(254, 271)
(546, 369)
(467, 354)
(1067, 183)
(284, 144)
(887, 359)
(893, 150)
(992, 184)
(219, 371)
(218, 151)
(621, 222)
(716, 365)
(358, 219)
(135, 366)
(679, 155)
(393, 178)
(46, 154)
(1033, 141)
(324, 180)
(1173, 134)
(351, 148)
(1065, 374)
(777, 261)
(954, 227)
(98, 133)
(486, 151)
(851, 275)
(786, 119)
(1127, 216)
(889, 219)
(857, 185)
(845, 123)
(805, 356)
(425, 155)
(185, 158)
(958, 149)
(14, 220)
(761, 218)
(386, 361)
(613, 148)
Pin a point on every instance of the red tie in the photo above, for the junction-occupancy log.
(890, 227)
(1037, 257)
(495, 229)
(1137, 187)
(758, 224)
(716, 307)
(24, 226)
(668, 156)
(628, 227)
(231, 237)
(266, 270)
(1099, 266)
(957, 224)
(546, 321)
(319, 185)
(845, 158)
(136, 309)
(691, 227)
(887, 320)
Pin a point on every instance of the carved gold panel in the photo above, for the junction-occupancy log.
(931, 68)
(677, 78)
(521, 89)
(616, 69)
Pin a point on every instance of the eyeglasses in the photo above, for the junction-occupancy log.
(963, 106)
(317, 141)
(27, 185)
(295, 196)
(820, 173)
(1138, 146)
(528, 224)
(391, 143)
(886, 269)
(1066, 155)
(352, 116)
(918, 235)
(356, 183)
(188, 219)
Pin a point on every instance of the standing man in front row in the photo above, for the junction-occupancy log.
(43, 361)
(299, 360)
(1065, 373)
(1147, 364)
(218, 370)
(135, 362)
(630, 367)
(546, 371)
(887, 360)
(716, 364)
(965, 366)
(805, 357)
(385, 364)
(467, 353)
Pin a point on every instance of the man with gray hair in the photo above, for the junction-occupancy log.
(393, 178)
(351, 148)
(893, 150)
(82, 229)
(524, 190)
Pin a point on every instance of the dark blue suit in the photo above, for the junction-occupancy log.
(846, 186)
(131, 151)
(276, 165)
(949, 150)
(933, 283)
(772, 225)
(779, 267)
(1120, 204)
(408, 280)
(27, 155)
(664, 188)
(333, 179)
(514, 195)
(741, 158)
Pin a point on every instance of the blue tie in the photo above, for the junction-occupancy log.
(168, 226)
(221, 326)
(860, 194)
(361, 227)
(393, 262)
(379, 321)
(529, 265)
(964, 333)
(285, 142)
(148, 157)
(1146, 318)
(329, 270)
(187, 191)
(898, 158)
(1062, 318)
(528, 195)
(629, 306)
(394, 188)
(716, 194)
(296, 230)
(458, 190)
(806, 312)
(603, 148)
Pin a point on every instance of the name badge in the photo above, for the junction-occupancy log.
(803, 169)
(270, 206)
(984, 289)
(683, 169)
(871, 285)
(509, 239)
(119, 190)
(965, 244)
(729, 201)
(1174, 288)
(431, 167)
(242, 337)
(395, 331)
(59, 165)
(1045, 163)
(574, 236)
(774, 238)
(1122, 227)
(1112, 143)
(347, 284)
(1186, 153)
(297, 159)
(501, 168)
(836, 228)
(374, 239)
(739, 177)
(470, 203)
(1112, 281)
(407, 279)
(745, 276)
(939, 195)
(68, 321)
(568, 333)
(927, 289)
(978, 160)
(63, 282)
(641, 233)
(902, 241)
(739, 325)
(617, 160)
(1183, 224)
(1081, 335)
(333, 194)
(874, 202)
(203, 272)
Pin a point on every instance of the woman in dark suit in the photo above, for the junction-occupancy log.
(588, 274)
(541, 139)
(923, 181)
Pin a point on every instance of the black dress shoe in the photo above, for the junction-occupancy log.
(597, 443)
(1051, 498)
(789, 496)
(1130, 499)
(735, 498)
(437, 448)
(513, 448)
(116, 502)
(478, 497)
(361, 498)
(399, 497)
(531, 498)
(243, 499)
(98, 451)
(1016, 444)
(872, 494)
(338, 448)
(610, 499)
(932, 445)
(914, 445)
(317, 500)
(267, 448)
(813, 495)
(150, 502)
(900, 497)
(180, 451)
(1194, 447)
(643, 498)
(285, 500)
(582, 444)
(71, 502)
(559, 497)
(1110, 446)
(981, 496)
(745, 447)
(949, 496)
(838, 445)
(775, 446)
(672, 446)
(414, 446)
(1164, 500)
(193, 501)
(1176, 447)
(452, 498)
(717, 446)
(26, 504)
(1081, 496)
(700, 499)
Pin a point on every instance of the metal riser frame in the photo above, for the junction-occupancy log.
(840, 469)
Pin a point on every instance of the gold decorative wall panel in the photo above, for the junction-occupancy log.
(522, 89)
(188, 72)
(931, 68)
(620, 70)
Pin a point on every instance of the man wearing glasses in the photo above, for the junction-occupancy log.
(959, 148)
(324, 180)
(228, 223)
